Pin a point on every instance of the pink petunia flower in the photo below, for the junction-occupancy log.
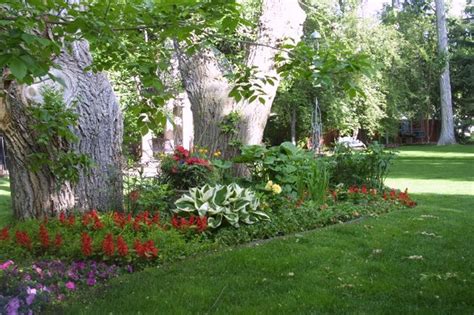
(70, 285)
(6, 264)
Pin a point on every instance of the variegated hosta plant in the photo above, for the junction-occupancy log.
(231, 203)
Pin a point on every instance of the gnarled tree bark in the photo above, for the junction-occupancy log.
(203, 76)
(99, 130)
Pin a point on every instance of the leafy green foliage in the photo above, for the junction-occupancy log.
(369, 167)
(128, 37)
(148, 194)
(230, 123)
(295, 169)
(232, 203)
(53, 124)
(313, 180)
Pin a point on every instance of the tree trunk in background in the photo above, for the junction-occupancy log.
(208, 89)
(293, 125)
(36, 194)
(447, 122)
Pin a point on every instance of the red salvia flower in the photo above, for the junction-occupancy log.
(392, 194)
(122, 246)
(86, 244)
(139, 248)
(44, 236)
(146, 249)
(4, 234)
(62, 218)
(86, 219)
(23, 239)
(58, 241)
(156, 219)
(151, 250)
(108, 245)
(136, 224)
(363, 189)
(98, 225)
(71, 220)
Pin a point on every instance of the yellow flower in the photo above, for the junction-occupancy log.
(217, 153)
(269, 185)
(276, 189)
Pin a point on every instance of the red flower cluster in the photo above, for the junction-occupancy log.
(145, 218)
(182, 156)
(23, 239)
(4, 234)
(146, 249)
(44, 236)
(197, 161)
(86, 244)
(92, 217)
(58, 240)
(180, 153)
(404, 199)
(121, 220)
(108, 245)
(362, 190)
(194, 222)
(122, 246)
(70, 220)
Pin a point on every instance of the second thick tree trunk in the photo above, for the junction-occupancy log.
(203, 76)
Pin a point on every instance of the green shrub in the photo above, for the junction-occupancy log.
(230, 202)
(369, 167)
(148, 194)
(299, 173)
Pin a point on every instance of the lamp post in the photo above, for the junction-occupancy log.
(316, 121)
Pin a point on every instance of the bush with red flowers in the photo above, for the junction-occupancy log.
(185, 169)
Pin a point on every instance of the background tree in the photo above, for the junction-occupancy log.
(447, 121)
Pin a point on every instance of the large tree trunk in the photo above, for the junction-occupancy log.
(99, 130)
(447, 122)
(203, 76)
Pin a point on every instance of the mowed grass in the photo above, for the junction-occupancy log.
(419, 260)
(5, 201)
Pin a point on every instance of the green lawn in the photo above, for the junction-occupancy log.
(5, 201)
(414, 261)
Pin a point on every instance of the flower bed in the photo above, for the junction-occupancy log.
(28, 289)
(75, 251)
